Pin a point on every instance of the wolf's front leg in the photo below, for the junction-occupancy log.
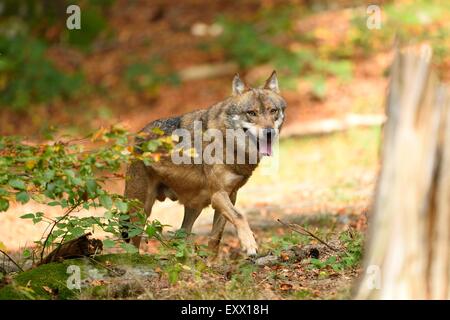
(221, 202)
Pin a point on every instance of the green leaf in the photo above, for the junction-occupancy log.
(124, 217)
(23, 197)
(108, 243)
(27, 216)
(106, 201)
(151, 231)
(173, 273)
(122, 206)
(91, 186)
(37, 219)
(4, 204)
(151, 146)
(108, 215)
(76, 231)
(17, 184)
(49, 174)
(26, 253)
(134, 232)
(129, 248)
(158, 131)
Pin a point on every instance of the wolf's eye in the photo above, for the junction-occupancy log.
(273, 111)
(251, 113)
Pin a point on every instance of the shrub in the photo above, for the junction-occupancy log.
(63, 174)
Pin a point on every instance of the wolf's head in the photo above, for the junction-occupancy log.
(258, 111)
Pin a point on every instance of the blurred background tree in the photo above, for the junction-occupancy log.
(27, 29)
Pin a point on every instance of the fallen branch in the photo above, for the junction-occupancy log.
(207, 71)
(327, 126)
(305, 232)
(69, 211)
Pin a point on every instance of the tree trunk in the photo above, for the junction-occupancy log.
(408, 250)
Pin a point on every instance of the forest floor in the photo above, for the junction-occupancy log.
(289, 266)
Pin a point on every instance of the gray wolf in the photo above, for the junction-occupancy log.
(259, 113)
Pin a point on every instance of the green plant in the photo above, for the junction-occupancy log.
(243, 277)
(27, 76)
(286, 241)
(331, 262)
(267, 38)
(353, 242)
(63, 174)
(350, 257)
(248, 46)
(409, 21)
(94, 23)
(149, 75)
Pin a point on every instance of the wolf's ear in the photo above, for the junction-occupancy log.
(238, 85)
(272, 82)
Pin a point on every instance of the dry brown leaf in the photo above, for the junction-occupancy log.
(285, 286)
(284, 256)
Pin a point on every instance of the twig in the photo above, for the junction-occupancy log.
(59, 245)
(12, 260)
(104, 266)
(306, 232)
(53, 227)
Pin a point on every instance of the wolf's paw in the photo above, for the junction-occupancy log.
(248, 243)
(251, 252)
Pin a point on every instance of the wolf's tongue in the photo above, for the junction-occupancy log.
(266, 148)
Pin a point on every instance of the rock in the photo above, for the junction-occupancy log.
(8, 267)
(266, 260)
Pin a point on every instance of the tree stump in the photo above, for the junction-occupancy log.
(82, 246)
(407, 254)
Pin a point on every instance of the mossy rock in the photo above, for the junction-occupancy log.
(49, 281)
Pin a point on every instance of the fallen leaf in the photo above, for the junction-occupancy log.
(284, 256)
(97, 283)
(285, 286)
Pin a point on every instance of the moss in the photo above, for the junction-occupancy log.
(30, 284)
(53, 276)
(127, 259)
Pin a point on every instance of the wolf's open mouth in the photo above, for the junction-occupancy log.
(265, 144)
(263, 141)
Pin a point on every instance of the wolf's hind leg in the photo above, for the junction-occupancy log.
(190, 216)
(217, 231)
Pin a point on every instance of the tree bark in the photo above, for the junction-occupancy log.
(407, 254)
